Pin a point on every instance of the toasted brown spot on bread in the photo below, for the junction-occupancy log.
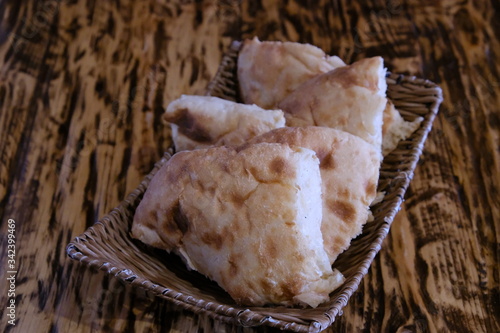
(180, 219)
(343, 76)
(290, 289)
(344, 193)
(328, 162)
(153, 218)
(265, 284)
(189, 125)
(339, 242)
(199, 184)
(237, 199)
(271, 247)
(371, 188)
(343, 121)
(343, 210)
(212, 239)
(233, 266)
(211, 190)
(254, 172)
(278, 165)
(347, 77)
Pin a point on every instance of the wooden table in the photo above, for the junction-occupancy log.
(83, 85)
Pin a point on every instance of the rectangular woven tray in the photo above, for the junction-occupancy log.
(107, 245)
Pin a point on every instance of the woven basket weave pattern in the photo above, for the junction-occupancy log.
(107, 245)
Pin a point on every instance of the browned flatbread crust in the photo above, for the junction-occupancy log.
(269, 71)
(249, 219)
(349, 170)
(205, 121)
(350, 98)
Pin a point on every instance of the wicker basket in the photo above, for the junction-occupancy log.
(107, 245)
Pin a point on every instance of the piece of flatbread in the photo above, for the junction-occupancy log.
(247, 218)
(268, 71)
(395, 128)
(205, 121)
(349, 170)
(350, 98)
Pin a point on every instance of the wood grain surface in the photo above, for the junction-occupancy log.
(83, 85)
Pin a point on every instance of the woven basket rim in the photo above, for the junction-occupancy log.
(429, 94)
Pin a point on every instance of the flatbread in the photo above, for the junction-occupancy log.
(395, 128)
(269, 71)
(349, 170)
(350, 98)
(249, 219)
(204, 121)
